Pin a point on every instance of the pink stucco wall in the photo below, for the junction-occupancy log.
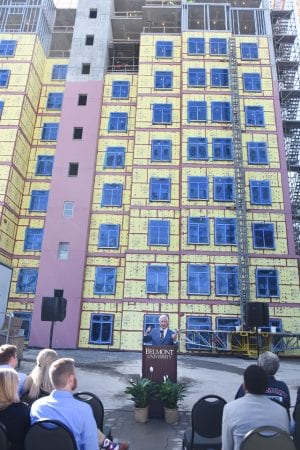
(68, 274)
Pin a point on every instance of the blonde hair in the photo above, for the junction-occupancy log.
(9, 383)
(39, 377)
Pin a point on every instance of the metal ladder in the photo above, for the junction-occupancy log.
(240, 194)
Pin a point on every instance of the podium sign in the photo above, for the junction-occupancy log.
(159, 361)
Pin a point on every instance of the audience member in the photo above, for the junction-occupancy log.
(38, 383)
(276, 390)
(13, 414)
(76, 415)
(9, 360)
(253, 410)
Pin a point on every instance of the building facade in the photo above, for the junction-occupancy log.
(143, 170)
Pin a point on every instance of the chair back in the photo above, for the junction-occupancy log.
(3, 437)
(267, 438)
(96, 405)
(296, 433)
(49, 435)
(207, 416)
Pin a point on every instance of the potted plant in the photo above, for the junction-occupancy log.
(140, 390)
(170, 395)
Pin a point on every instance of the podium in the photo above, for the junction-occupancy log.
(159, 361)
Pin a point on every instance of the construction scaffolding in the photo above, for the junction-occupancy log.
(287, 54)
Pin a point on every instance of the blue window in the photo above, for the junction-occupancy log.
(44, 165)
(157, 279)
(160, 189)
(198, 230)
(161, 150)
(223, 189)
(159, 232)
(219, 77)
(263, 235)
(164, 49)
(26, 321)
(257, 152)
(112, 194)
(163, 80)
(1, 107)
(7, 48)
(197, 148)
(260, 192)
(220, 112)
(197, 111)
(227, 280)
(101, 329)
(198, 338)
(109, 236)
(162, 113)
(227, 323)
(118, 122)
(223, 340)
(59, 72)
(196, 77)
(196, 46)
(105, 280)
(198, 279)
(114, 157)
(4, 77)
(218, 46)
(249, 50)
(39, 200)
(197, 188)
(255, 116)
(120, 89)
(33, 239)
(49, 132)
(151, 320)
(267, 283)
(225, 231)
(252, 82)
(222, 149)
(26, 282)
(55, 100)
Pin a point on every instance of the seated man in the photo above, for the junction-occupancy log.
(9, 360)
(162, 335)
(253, 410)
(276, 390)
(76, 415)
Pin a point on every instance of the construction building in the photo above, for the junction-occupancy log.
(149, 163)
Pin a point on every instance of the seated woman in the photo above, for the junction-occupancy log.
(13, 414)
(38, 383)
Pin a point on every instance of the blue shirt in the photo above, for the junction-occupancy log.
(76, 415)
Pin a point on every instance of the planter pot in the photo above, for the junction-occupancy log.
(171, 415)
(141, 414)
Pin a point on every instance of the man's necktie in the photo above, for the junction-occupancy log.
(161, 335)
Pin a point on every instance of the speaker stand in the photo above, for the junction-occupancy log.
(51, 334)
(257, 342)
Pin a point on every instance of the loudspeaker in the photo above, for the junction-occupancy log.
(257, 314)
(53, 309)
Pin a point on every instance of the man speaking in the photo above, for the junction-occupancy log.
(162, 335)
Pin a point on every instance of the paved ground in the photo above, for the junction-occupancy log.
(107, 374)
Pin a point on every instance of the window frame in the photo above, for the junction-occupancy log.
(120, 89)
(216, 46)
(59, 72)
(200, 144)
(117, 155)
(108, 233)
(225, 108)
(55, 100)
(228, 273)
(219, 77)
(162, 238)
(198, 231)
(164, 110)
(44, 165)
(163, 80)
(4, 77)
(27, 272)
(164, 189)
(225, 180)
(42, 196)
(109, 322)
(50, 131)
(197, 109)
(257, 114)
(68, 206)
(260, 231)
(196, 77)
(199, 44)
(205, 272)
(260, 148)
(33, 239)
(250, 82)
(201, 185)
(164, 282)
(63, 251)
(249, 47)
(225, 144)
(226, 226)
(259, 274)
(116, 194)
(260, 186)
(118, 117)
(7, 47)
(163, 148)
(107, 271)
(198, 338)
(162, 48)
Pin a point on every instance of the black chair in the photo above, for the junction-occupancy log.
(206, 430)
(3, 437)
(49, 435)
(267, 438)
(98, 411)
(296, 433)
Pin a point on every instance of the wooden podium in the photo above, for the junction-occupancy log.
(159, 361)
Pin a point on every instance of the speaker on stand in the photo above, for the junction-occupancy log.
(53, 310)
(257, 315)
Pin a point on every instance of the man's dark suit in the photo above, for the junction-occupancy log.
(154, 335)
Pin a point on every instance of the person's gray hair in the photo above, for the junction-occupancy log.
(163, 316)
(269, 362)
